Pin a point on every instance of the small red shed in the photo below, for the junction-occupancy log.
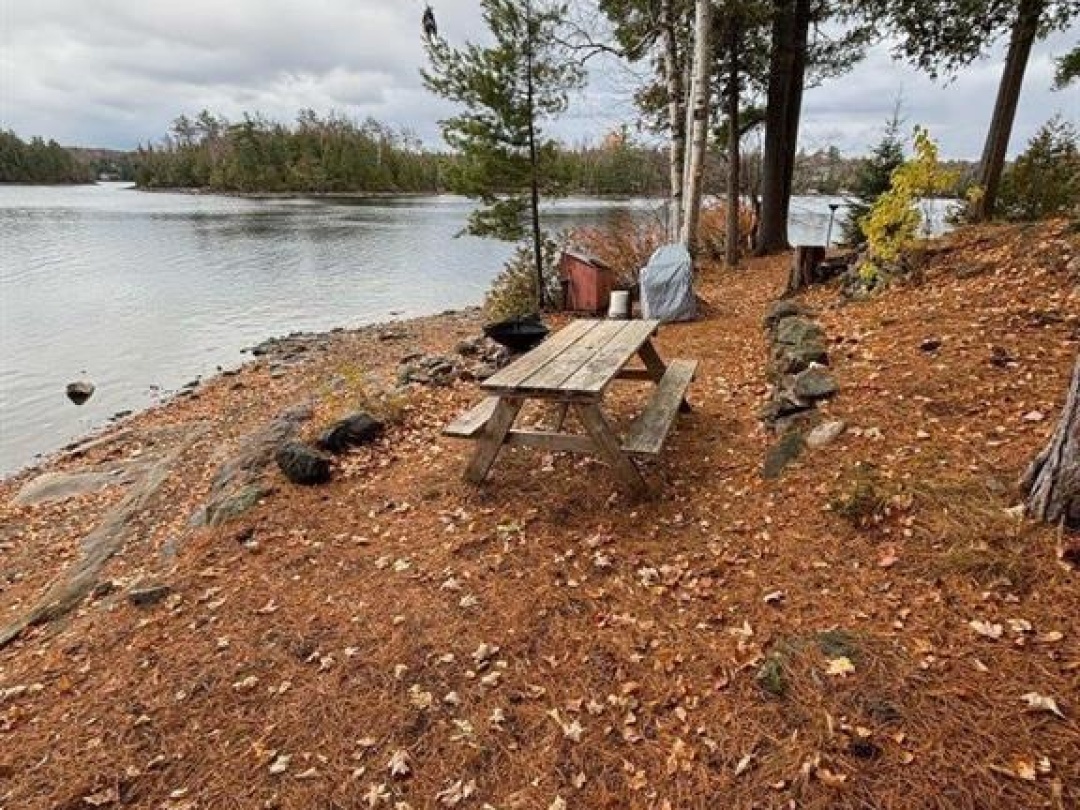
(587, 282)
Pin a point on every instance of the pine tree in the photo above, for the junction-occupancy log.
(507, 89)
(874, 178)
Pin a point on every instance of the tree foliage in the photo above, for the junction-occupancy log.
(1068, 69)
(1044, 181)
(38, 161)
(894, 218)
(873, 179)
(941, 36)
(318, 155)
(505, 89)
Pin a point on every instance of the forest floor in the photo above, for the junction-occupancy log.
(877, 628)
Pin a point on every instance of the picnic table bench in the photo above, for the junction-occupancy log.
(572, 369)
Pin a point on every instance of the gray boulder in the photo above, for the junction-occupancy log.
(798, 331)
(785, 308)
(814, 383)
(80, 391)
(357, 429)
(793, 359)
(825, 433)
(303, 464)
(786, 450)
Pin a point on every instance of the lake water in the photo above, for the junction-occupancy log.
(142, 292)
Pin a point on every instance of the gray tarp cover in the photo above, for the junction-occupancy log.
(667, 285)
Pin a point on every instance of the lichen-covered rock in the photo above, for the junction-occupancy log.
(793, 359)
(814, 383)
(798, 331)
(785, 308)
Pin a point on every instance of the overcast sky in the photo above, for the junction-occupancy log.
(114, 73)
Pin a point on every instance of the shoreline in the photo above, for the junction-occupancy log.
(361, 195)
(279, 353)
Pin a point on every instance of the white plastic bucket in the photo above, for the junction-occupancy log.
(619, 306)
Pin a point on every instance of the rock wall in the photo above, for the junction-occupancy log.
(799, 376)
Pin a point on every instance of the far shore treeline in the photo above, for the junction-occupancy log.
(335, 155)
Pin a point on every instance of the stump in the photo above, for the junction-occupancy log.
(1052, 482)
(804, 266)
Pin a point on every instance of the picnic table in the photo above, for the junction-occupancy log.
(573, 369)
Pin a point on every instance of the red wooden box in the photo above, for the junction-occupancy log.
(587, 282)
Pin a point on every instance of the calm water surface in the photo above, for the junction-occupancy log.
(141, 293)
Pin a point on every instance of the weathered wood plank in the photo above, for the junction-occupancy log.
(553, 375)
(556, 442)
(472, 421)
(546, 378)
(598, 371)
(641, 374)
(526, 365)
(657, 367)
(491, 439)
(649, 430)
(608, 448)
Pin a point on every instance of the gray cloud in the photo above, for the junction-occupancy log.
(116, 72)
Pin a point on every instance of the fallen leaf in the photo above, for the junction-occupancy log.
(456, 793)
(986, 629)
(743, 764)
(840, 666)
(399, 764)
(1024, 770)
(1042, 703)
(827, 777)
(109, 795)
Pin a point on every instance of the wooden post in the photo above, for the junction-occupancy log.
(804, 267)
(491, 439)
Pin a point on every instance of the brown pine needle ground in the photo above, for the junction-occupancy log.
(807, 642)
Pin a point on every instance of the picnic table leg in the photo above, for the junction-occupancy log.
(656, 368)
(491, 439)
(560, 416)
(610, 448)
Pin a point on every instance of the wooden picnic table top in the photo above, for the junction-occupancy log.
(578, 361)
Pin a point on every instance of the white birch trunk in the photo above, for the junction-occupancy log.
(697, 123)
(676, 117)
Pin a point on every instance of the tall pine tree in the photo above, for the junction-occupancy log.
(506, 89)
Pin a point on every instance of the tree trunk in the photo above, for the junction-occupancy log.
(787, 65)
(796, 80)
(1012, 79)
(676, 117)
(804, 265)
(1052, 482)
(698, 123)
(731, 248)
(534, 170)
